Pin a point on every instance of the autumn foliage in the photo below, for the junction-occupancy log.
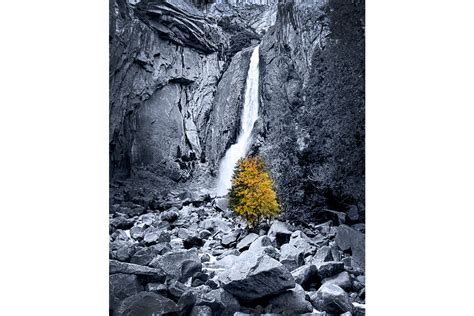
(252, 195)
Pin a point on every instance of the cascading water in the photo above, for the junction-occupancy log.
(248, 118)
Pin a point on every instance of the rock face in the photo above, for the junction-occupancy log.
(231, 269)
(312, 88)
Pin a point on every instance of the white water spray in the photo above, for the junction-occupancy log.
(247, 120)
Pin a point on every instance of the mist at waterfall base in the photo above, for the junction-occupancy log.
(248, 118)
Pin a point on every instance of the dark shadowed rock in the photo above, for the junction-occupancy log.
(122, 286)
(280, 231)
(220, 301)
(147, 304)
(189, 268)
(305, 275)
(332, 299)
(349, 238)
(330, 268)
(144, 256)
(291, 301)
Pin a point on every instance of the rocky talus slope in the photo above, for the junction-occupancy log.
(192, 256)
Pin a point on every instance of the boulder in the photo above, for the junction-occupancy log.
(291, 257)
(122, 286)
(343, 280)
(299, 240)
(172, 262)
(215, 225)
(201, 310)
(305, 275)
(332, 299)
(144, 256)
(291, 301)
(246, 241)
(158, 288)
(229, 239)
(330, 268)
(349, 238)
(281, 232)
(220, 301)
(323, 254)
(222, 204)
(254, 275)
(170, 216)
(189, 268)
(147, 304)
(130, 268)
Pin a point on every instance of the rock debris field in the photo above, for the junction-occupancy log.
(192, 256)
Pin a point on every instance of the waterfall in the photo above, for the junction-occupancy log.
(247, 121)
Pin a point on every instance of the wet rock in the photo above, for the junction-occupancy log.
(147, 303)
(122, 286)
(332, 299)
(281, 232)
(349, 238)
(254, 275)
(246, 241)
(291, 257)
(291, 301)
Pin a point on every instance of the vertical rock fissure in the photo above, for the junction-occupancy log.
(247, 120)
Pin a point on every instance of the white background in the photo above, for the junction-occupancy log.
(54, 157)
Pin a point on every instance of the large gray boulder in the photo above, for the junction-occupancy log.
(147, 304)
(122, 286)
(292, 301)
(349, 238)
(172, 262)
(254, 275)
(332, 299)
(305, 275)
(291, 257)
(343, 280)
(246, 241)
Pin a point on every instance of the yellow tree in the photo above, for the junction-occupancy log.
(252, 195)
